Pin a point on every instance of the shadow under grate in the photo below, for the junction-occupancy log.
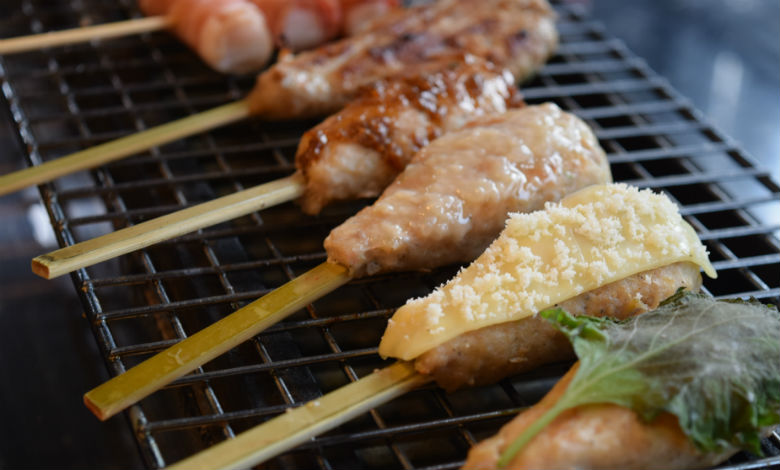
(68, 98)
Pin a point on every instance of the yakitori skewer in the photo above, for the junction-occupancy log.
(355, 153)
(516, 34)
(605, 250)
(446, 207)
(232, 36)
(669, 389)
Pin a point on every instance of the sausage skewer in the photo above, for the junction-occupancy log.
(355, 153)
(515, 161)
(515, 34)
(579, 262)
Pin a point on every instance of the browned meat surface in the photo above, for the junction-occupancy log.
(593, 436)
(358, 151)
(515, 34)
(489, 354)
(452, 200)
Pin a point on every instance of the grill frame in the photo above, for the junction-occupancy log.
(112, 198)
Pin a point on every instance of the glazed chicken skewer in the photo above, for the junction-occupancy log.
(446, 207)
(355, 153)
(518, 35)
(607, 250)
(232, 36)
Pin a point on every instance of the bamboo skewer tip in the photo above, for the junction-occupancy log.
(135, 237)
(40, 266)
(96, 410)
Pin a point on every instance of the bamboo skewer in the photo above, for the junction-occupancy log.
(84, 34)
(125, 146)
(300, 424)
(124, 390)
(169, 226)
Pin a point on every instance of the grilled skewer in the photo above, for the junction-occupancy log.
(587, 253)
(684, 386)
(624, 440)
(489, 354)
(232, 36)
(511, 162)
(355, 153)
(517, 35)
(360, 150)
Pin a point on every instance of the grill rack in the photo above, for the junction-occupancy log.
(69, 98)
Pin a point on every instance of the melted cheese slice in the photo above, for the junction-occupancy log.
(591, 238)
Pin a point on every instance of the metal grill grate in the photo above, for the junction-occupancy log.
(68, 98)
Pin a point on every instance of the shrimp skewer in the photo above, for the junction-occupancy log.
(232, 36)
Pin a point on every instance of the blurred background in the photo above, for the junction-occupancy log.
(724, 55)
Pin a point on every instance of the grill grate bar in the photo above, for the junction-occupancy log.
(698, 178)
(310, 360)
(183, 304)
(673, 152)
(708, 207)
(747, 262)
(412, 428)
(735, 232)
(651, 130)
(559, 91)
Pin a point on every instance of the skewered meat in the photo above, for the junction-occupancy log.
(452, 200)
(491, 353)
(593, 436)
(301, 24)
(238, 36)
(607, 250)
(358, 151)
(515, 34)
(229, 35)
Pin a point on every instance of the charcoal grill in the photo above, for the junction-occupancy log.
(66, 99)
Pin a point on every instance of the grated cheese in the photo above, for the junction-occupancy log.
(591, 238)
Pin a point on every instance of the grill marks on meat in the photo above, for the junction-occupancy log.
(360, 150)
(453, 198)
(515, 34)
(492, 353)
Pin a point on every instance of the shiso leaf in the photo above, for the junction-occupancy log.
(713, 364)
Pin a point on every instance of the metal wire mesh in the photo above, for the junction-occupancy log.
(65, 99)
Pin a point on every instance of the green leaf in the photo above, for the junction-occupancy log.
(713, 364)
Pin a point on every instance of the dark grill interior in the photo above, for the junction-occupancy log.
(66, 99)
